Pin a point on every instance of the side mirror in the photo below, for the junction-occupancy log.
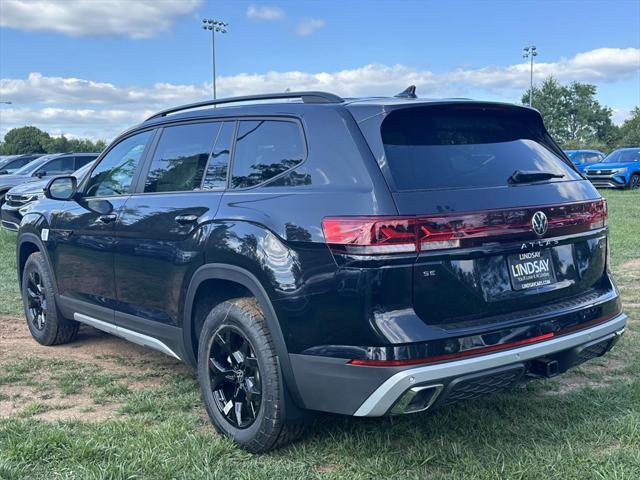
(40, 174)
(61, 188)
(4, 172)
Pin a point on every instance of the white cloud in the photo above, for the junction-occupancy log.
(619, 115)
(101, 110)
(261, 12)
(308, 26)
(80, 18)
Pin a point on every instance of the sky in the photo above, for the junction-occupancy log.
(92, 68)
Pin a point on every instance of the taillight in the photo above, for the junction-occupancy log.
(370, 235)
(388, 235)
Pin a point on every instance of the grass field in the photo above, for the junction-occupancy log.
(142, 416)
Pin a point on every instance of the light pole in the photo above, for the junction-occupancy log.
(530, 52)
(215, 26)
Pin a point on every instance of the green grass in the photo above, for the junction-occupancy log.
(9, 293)
(542, 430)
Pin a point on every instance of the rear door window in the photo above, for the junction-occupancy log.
(265, 149)
(181, 157)
(58, 165)
(437, 147)
(82, 160)
(215, 177)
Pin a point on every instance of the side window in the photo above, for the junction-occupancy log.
(181, 157)
(58, 165)
(578, 158)
(114, 174)
(16, 164)
(264, 149)
(81, 161)
(216, 174)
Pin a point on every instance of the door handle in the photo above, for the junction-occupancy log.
(107, 218)
(186, 219)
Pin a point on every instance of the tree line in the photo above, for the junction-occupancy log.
(571, 113)
(33, 140)
(575, 119)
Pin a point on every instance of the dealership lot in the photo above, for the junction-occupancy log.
(142, 414)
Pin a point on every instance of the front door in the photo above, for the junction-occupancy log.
(81, 241)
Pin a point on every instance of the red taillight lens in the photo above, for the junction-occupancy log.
(370, 235)
(387, 235)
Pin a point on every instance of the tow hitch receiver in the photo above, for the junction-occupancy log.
(544, 367)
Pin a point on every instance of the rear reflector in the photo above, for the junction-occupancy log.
(451, 356)
(389, 235)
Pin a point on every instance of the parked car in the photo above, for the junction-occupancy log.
(620, 169)
(19, 198)
(11, 163)
(46, 166)
(583, 158)
(305, 252)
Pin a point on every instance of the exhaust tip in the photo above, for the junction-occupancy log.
(417, 399)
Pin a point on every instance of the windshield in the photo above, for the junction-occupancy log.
(622, 156)
(33, 166)
(447, 147)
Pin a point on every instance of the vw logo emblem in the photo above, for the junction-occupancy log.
(539, 223)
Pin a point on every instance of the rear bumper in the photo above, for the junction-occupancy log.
(333, 385)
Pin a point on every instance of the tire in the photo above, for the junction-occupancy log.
(259, 426)
(46, 324)
(634, 182)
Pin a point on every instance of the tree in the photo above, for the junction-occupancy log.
(630, 130)
(572, 114)
(24, 140)
(33, 140)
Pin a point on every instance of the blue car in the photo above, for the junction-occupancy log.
(583, 158)
(619, 169)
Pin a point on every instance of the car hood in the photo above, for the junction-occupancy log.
(609, 166)
(29, 188)
(8, 181)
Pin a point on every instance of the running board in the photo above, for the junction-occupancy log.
(134, 337)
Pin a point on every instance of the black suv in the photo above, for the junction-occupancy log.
(306, 252)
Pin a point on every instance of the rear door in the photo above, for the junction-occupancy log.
(161, 230)
(488, 244)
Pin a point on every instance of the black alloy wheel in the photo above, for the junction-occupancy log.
(240, 378)
(235, 376)
(36, 300)
(44, 319)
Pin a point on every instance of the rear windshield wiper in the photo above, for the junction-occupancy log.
(523, 176)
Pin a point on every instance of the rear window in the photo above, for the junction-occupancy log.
(265, 149)
(462, 147)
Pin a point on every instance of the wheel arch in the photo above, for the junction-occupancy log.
(27, 244)
(250, 282)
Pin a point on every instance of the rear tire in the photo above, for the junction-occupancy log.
(240, 378)
(46, 324)
(634, 182)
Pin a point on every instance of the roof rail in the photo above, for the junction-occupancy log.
(307, 97)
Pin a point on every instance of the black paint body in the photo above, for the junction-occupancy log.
(142, 270)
